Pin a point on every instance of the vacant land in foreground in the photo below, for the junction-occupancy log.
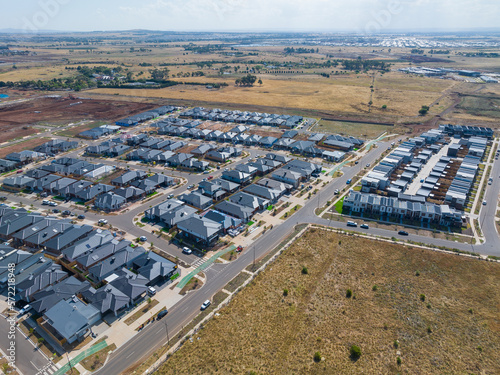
(438, 313)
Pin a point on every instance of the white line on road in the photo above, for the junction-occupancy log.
(129, 355)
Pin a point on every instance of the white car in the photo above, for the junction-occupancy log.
(205, 304)
(25, 309)
(170, 196)
(102, 221)
(484, 203)
(143, 238)
(45, 202)
(187, 250)
(151, 291)
(52, 204)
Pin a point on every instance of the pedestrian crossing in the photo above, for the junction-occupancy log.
(49, 369)
(198, 262)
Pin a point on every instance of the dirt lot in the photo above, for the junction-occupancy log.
(26, 145)
(439, 313)
(63, 110)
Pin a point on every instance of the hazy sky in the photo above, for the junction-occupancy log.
(232, 15)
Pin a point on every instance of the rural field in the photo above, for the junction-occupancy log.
(436, 312)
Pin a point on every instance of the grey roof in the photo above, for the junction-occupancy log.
(196, 199)
(131, 284)
(35, 283)
(262, 191)
(171, 212)
(94, 239)
(249, 200)
(153, 266)
(19, 181)
(106, 299)
(71, 317)
(49, 232)
(12, 225)
(121, 258)
(199, 226)
(93, 191)
(68, 237)
(51, 295)
(109, 201)
(36, 227)
(128, 177)
(236, 210)
(95, 255)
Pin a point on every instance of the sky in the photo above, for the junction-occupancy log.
(365, 16)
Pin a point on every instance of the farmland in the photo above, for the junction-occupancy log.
(328, 292)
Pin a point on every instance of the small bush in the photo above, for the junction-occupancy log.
(355, 352)
(417, 273)
(348, 293)
(317, 357)
(428, 305)
(374, 288)
(285, 292)
(396, 344)
(429, 329)
(422, 297)
(480, 349)
(305, 271)
(398, 361)
(471, 311)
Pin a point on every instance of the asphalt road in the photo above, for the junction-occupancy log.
(29, 360)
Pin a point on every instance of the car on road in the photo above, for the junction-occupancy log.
(187, 250)
(205, 304)
(66, 212)
(102, 221)
(356, 162)
(190, 187)
(336, 191)
(210, 177)
(44, 194)
(161, 314)
(81, 217)
(484, 202)
(56, 210)
(52, 204)
(151, 291)
(45, 202)
(352, 224)
(368, 165)
(143, 238)
(348, 182)
(403, 233)
(170, 196)
(489, 182)
(3, 198)
(364, 226)
(239, 249)
(25, 309)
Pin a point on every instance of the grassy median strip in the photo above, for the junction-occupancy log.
(143, 310)
(95, 361)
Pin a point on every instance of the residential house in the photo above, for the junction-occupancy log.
(109, 202)
(196, 200)
(200, 229)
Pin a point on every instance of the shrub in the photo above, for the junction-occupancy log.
(348, 293)
(398, 361)
(305, 271)
(355, 352)
(317, 357)
(285, 292)
(417, 273)
(429, 329)
(374, 288)
(422, 297)
(396, 344)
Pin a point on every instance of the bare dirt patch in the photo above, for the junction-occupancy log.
(63, 109)
(26, 145)
(437, 312)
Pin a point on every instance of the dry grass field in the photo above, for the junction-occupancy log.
(355, 129)
(439, 313)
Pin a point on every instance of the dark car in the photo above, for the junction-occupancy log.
(403, 233)
(161, 314)
(3, 198)
(66, 212)
(81, 217)
(56, 210)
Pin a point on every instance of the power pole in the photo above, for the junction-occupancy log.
(69, 363)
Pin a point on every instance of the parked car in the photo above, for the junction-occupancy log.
(52, 204)
(66, 212)
(210, 177)
(161, 314)
(368, 165)
(403, 233)
(205, 304)
(356, 162)
(364, 226)
(170, 196)
(56, 210)
(151, 291)
(484, 202)
(3, 198)
(45, 202)
(190, 187)
(336, 191)
(187, 250)
(239, 249)
(25, 309)
(143, 238)
(352, 224)
(102, 221)
(348, 181)
(81, 217)
(44, 194)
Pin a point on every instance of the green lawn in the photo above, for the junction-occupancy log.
(339, 205)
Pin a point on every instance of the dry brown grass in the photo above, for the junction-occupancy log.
(262, 331)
